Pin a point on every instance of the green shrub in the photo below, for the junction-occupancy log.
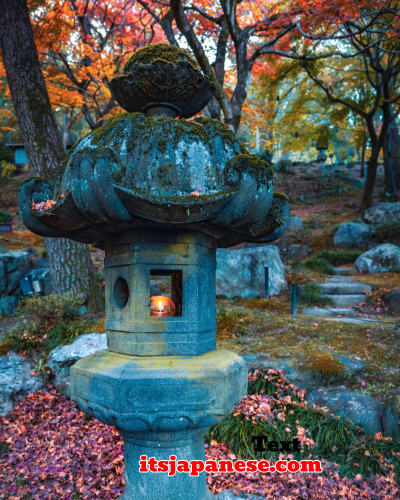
(310, 295)
(389, 232)
(7, 169)
(5, 217)
(335, 439)
(47, 322)
(340, 257)
(6, 153)
(324, 262)
(319, 265)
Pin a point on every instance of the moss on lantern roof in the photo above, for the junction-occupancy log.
(259, 168)
(160, 52)
(223, 130)
(110, 128)
(281, 195)
(164, 130)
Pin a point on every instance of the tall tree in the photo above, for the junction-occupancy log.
(70, 262)
(377, 44)
(241, 33)
(81, 43)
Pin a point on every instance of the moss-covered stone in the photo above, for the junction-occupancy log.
(161, 73)
(281, 195)
(160, 52)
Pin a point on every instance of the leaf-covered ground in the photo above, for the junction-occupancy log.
(49, 450)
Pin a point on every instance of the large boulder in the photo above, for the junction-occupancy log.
(16, 381)
(381, 213)
(13, 265)
(242, 272)
(7, 305)
(63, 357)
(352, 235)
(301, 376)
(392, 300)
(381, 259)
(359, 408)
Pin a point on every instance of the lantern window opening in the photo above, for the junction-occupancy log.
(165, 292)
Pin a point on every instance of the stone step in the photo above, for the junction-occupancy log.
(341, 279)
(345, 288)
(347, 300)
(328, 311)
(344, 271)
(358, 321)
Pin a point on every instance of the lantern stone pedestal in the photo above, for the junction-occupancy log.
(162, 406)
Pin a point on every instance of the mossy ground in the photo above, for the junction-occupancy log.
(266, 326)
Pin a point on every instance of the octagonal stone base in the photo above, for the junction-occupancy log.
(162, 406)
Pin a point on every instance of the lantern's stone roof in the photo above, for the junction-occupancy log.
(158, 169)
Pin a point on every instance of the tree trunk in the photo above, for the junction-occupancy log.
(363, 151)
(391, 154)
(69, 270)
(372, 166)
(70, 263)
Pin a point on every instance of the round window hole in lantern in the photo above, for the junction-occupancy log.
(161, 306)
(121, 292)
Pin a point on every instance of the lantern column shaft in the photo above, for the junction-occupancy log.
(160, 485)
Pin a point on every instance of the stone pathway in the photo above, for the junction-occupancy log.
(344, 292)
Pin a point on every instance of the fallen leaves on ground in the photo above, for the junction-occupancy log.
(50, 450)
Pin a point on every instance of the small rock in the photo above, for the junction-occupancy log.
(381, 259)
(242, 272)
(8, 305)
(298, 251)
(381, 213)
(283, 165)
(230, 495)
(391, 420)
(352, 366)
(352, 235)
(63, 357)
(42, 263)
(359, 408)
(82, 311)
(295, 224)
(16, 381)
(392, 300)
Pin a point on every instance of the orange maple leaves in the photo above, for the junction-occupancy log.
(45, 205)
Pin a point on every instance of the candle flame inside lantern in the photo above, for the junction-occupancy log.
(161, 306)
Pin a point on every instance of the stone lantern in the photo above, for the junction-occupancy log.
(160, 193)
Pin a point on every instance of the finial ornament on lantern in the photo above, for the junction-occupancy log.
(162, 75)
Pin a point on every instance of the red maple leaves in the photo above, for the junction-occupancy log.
(49, 450)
